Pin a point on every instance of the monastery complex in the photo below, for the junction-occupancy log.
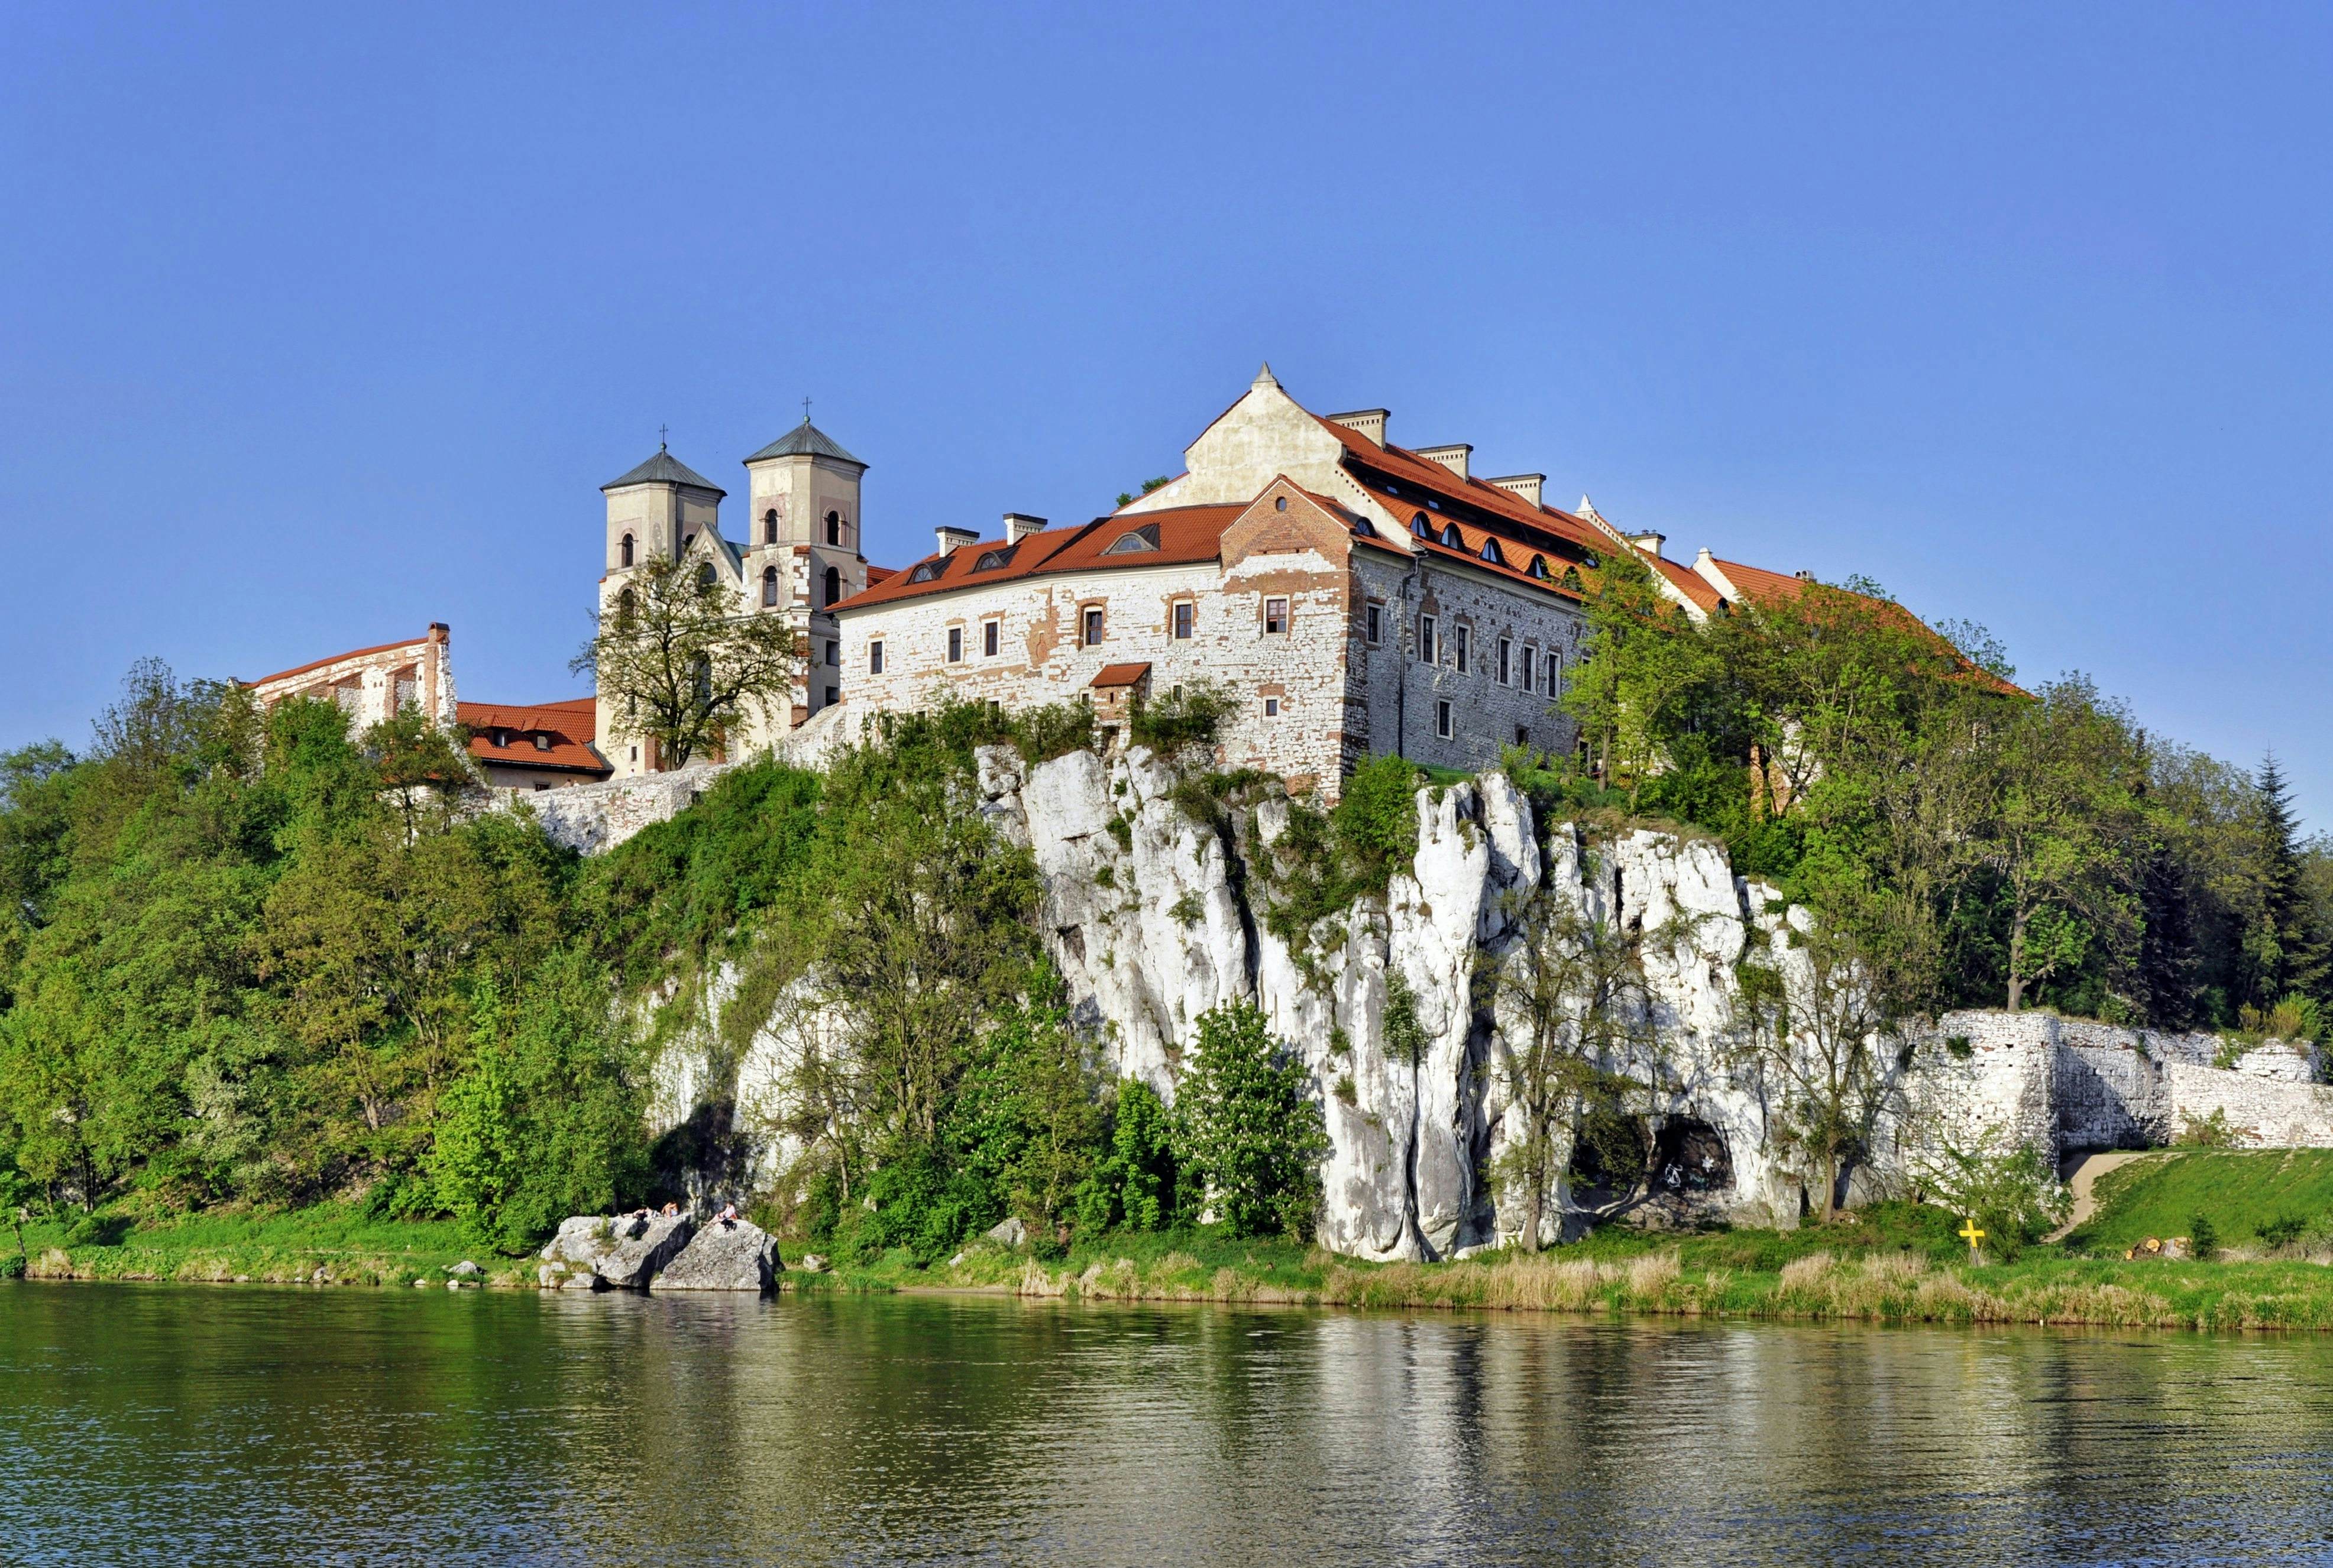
(1352, 597)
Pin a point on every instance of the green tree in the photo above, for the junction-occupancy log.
(1248, 1138)
(1133, 1185)
(1569, 994)
(683, 660)
(2284, 948)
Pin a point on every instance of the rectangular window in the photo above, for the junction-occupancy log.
(1275, 616)
(1554, 686)
(1465, 638)
(1529, 670)
(834, 654)
(1373, 623)
(992, 636)
(1184, 613)
(875, 657)
(1442, 719)
(1271, 707)
(956, 645)
(1522, 734)
(1426, 649)
(1506, 663)
(1090, 626)
(834, 695)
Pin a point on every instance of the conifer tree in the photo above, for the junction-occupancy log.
(2284, 951)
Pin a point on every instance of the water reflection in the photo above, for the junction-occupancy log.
(205, 1425)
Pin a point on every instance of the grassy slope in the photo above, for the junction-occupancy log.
(351, 1248)
(2239, 1191)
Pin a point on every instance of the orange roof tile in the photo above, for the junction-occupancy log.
(422, 641)
(1127, 674)
(1185, 534)
(1778, 587)
(573, 724)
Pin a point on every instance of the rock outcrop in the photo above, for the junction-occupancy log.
(1155, 913)
(726, 1255)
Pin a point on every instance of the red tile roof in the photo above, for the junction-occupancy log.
(1757, 583)
(1185, 534)
(1698, 591)
(419, 642)
(1121, 674)
(573, 724)
(1417, 478)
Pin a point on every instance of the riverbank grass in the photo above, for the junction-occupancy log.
(339, 1241)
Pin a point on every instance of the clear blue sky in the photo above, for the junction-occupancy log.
(316, 327)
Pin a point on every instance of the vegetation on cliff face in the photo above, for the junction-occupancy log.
(1976, 845)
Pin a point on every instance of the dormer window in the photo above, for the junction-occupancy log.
(1491, 553)
(928, 570)
(1135, 541)
(1571, 578)
(1362, 526)
(1539, 567)
(1452, 537)
(542, 739)
(1391, 488)
(995, 559)
(1420, 527)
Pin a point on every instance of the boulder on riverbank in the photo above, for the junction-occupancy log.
(726, 1255)
(623, 1252)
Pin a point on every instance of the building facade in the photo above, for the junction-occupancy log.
(1352, 597)
(801, 556)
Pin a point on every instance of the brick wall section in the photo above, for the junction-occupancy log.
(370, 685)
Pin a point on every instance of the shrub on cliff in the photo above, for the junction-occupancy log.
(1250, 1142)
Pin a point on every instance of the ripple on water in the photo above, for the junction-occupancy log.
(160, 1424)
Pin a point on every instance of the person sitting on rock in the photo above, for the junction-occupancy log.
(728, 1217)
(672, 1211)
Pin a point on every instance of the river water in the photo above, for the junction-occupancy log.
(188, 1424)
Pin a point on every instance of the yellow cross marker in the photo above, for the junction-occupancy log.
(1969, 1232)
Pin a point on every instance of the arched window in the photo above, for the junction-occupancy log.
(1491, 553)
(834, 528)
(770, 526)
(1452, 537)
(1539, 567)
(704, 574)
(1417, 526)
(769, 584)
(624, 606)
(626, 551)
(833, 584)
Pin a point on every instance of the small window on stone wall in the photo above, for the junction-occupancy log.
(1506, 664)
(1465, 649)
(1425, 648)
(875, 657)
(956, 645)
(769, 584)
(1271, 707)
(833, 584)
(1442, 719)
(1530, 659)
(770, 526)
(1275, 616)
(1090, 626)
(1373, 623)
(1186, 614)
(991, 637)
(624, 550)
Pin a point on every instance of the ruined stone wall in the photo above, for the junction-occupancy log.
(373, 684)
(2264, 1112)
(593, 818)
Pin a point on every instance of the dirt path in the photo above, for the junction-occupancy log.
(2083, 1179)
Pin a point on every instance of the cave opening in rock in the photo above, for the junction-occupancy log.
(1690, 1156)
(1609, 1155)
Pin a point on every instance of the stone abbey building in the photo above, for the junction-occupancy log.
(1354, 597)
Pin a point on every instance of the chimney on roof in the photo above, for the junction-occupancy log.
(1526, 485)
(1803, 575)
(440, 632)
(954, 539)
(1019, 525)
(1368, 422)
(1650, 543)
(1452, 458)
